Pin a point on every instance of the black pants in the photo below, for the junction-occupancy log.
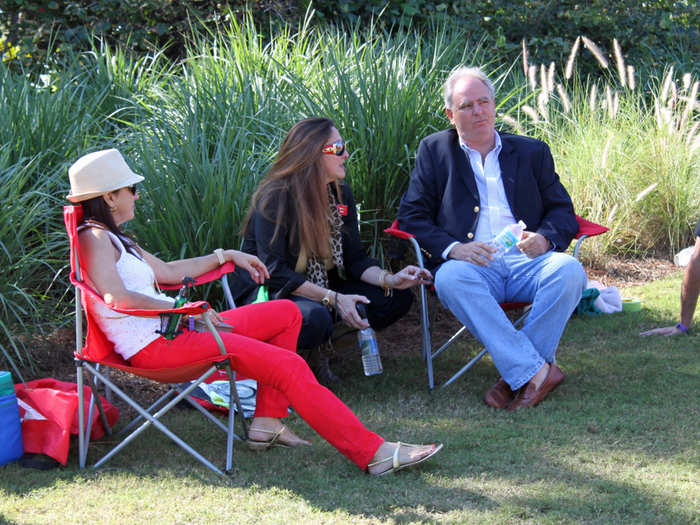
(317, 321)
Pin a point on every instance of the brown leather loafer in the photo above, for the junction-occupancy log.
(499, 395)
(529, 395)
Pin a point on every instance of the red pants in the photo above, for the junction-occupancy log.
(263, 347)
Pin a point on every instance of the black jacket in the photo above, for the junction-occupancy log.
(281, 256)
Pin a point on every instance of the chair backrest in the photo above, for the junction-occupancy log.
(97, 347)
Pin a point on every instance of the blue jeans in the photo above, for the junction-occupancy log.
(552, 282)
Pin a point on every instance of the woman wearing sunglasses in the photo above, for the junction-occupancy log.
(261, 345)
(303, 225)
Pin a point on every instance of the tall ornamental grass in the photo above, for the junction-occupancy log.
(46, 122)
(219, 123)
(31, 253)
(629, 155)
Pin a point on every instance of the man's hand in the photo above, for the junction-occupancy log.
(475, 252)
(533, 244)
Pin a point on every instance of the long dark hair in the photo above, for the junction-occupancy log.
(97, 210)
(293, 190)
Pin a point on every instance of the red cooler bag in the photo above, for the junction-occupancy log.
(49, 412)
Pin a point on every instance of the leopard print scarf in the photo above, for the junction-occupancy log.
(315, 266)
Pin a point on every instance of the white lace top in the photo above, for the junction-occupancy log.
(129, 333)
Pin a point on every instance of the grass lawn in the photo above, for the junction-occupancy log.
(618, 442)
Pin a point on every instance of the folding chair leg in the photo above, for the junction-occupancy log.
(82, 449)
(232, 416)
(449, 341)
(153, 420)
(151, 409)
(464, 369)
(95, 400)
(519, 321)
(425, 335)
(237, 400)
(424, 321)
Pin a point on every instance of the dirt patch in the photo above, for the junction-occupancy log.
(631, 272)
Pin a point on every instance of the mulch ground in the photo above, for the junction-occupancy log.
(53, 352)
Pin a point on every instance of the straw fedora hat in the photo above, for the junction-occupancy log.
(98, 173)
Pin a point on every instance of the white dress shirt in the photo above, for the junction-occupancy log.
(495, 213)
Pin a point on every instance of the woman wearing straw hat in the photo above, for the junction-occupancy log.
(125, 274)
(303, 224)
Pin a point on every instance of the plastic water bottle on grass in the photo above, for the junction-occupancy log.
(371, 360)
(505, 240)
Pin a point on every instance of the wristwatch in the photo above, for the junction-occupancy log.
(220, 256)
(326, 301)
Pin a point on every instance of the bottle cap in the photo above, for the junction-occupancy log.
(362, 310)
(6, 385)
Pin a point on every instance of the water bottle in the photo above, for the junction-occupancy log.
(505, 240)
(371, 360)
(173, 320)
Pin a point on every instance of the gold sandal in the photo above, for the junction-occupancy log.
(259, 446)
(396, 465)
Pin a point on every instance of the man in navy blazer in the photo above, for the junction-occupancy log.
(468, 184)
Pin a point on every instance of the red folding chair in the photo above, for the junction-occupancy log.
(586, 229)
(98, 353)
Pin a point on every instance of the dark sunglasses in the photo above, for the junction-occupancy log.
(337, 148)
(132, 189)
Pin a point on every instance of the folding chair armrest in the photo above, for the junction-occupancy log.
(195, 308)
(586, 229)
(398, 232)
(216, 273)
(187, 309)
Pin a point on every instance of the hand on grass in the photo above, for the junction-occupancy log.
(667, 331)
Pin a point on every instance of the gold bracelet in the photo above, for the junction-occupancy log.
(220, 256)
(382, 280)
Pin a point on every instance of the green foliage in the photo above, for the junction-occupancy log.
(646, 29)
(32, 252)
(38, 27)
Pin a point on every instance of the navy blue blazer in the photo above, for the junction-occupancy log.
(442, 204)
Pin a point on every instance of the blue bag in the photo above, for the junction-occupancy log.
(11, 447)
